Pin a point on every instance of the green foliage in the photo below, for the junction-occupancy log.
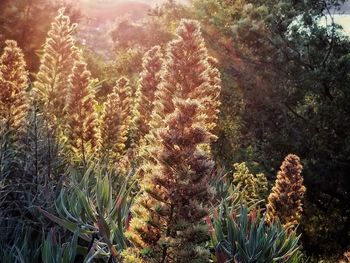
(286, 89)
(25, 248)
(128, 64)
(102, 70)
(128, 34)
(99, 213)
(53, 251)
(30, 177)
(242, 236)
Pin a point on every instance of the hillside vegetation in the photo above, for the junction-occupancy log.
(216, 131)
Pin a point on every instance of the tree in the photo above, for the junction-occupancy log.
(133, 38)
(59, 55)
(287, 91)
(157, 28)
(13, 85)
(81, 124)
(285, 200)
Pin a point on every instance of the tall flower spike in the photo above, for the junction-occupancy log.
(13, 83)
(124, 91)
(149, 81)
(113, 128)
(81, 124)
(59, 54)
(285, 200)
(187, 73)
(167, 224)
(253, 188)
(116, 119)
(168, 214)
(212, 102)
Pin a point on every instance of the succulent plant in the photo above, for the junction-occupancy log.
(53, 251)
(238, 235)
(100, 215)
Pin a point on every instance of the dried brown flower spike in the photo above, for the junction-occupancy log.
(285, 200)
